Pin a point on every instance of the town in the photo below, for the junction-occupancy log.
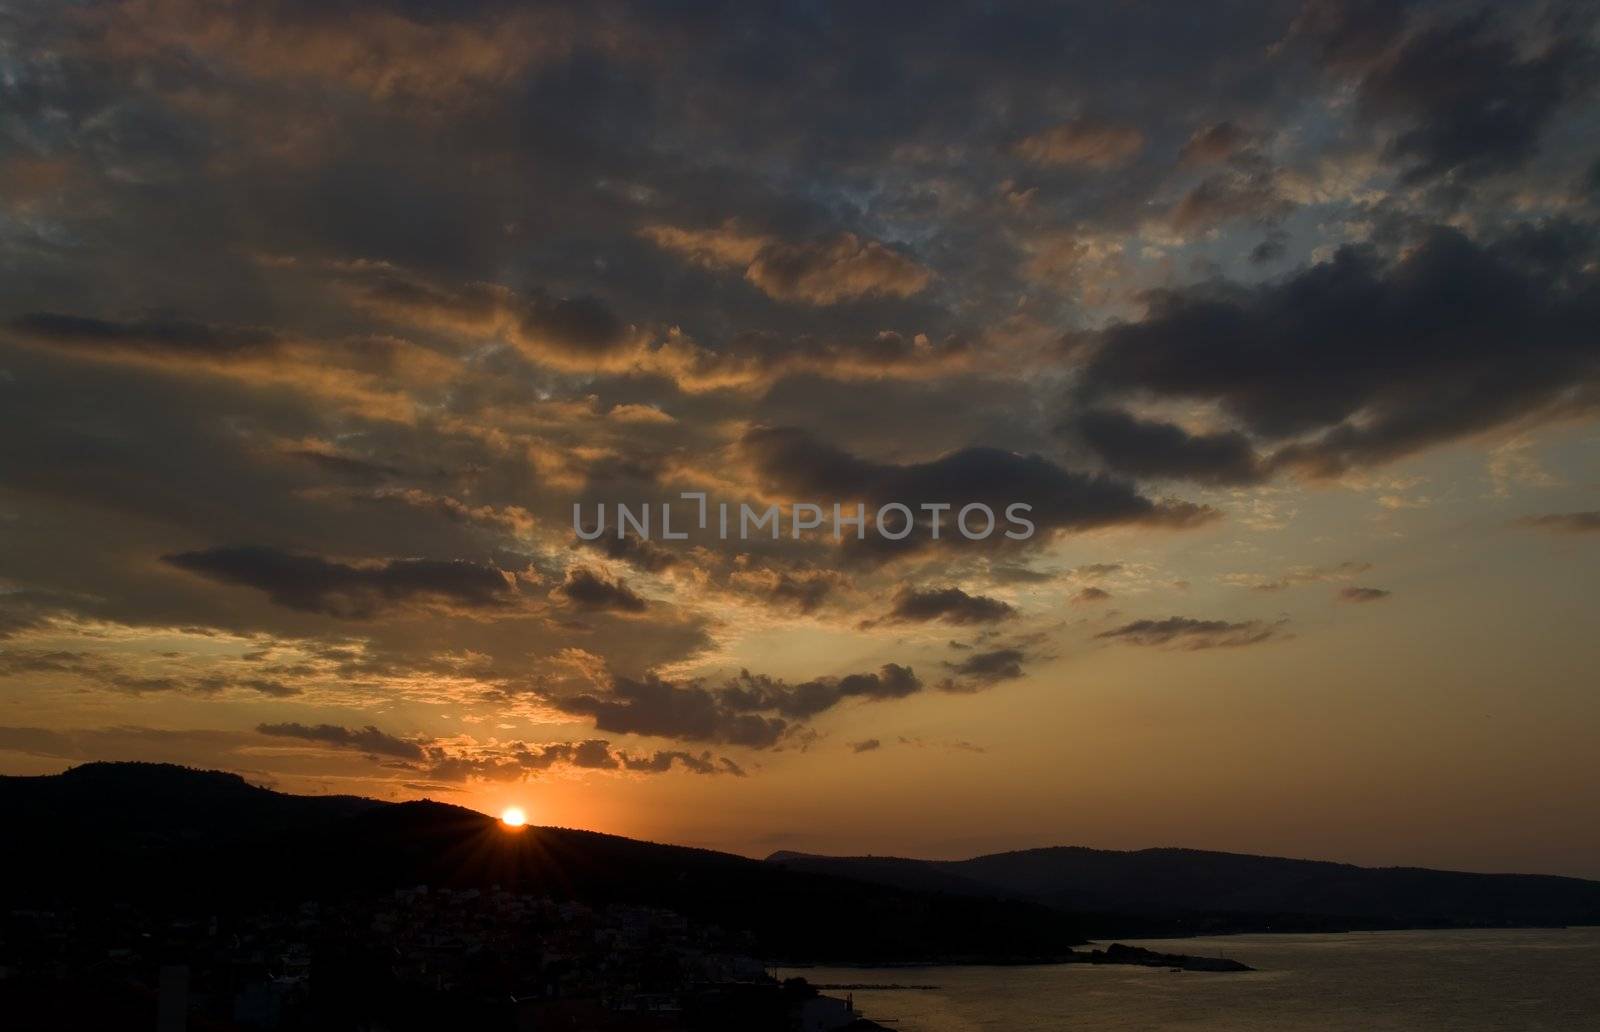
(417, 958)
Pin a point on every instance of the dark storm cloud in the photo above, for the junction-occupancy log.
(950, 604)
(353, 591)
(365, 739)
(1153, 449)
(793, 461)
(1563, 522)
(1467, 90)
(1359, 594)
(1188, 634)
(1414, 346)
(1474, 99)
(591, 592)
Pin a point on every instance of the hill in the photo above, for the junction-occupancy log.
(1116, 892)
(204, 841)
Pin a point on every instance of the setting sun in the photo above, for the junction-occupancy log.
(513, 817)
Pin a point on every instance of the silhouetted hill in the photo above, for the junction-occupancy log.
(1194, 889)
(205, 841)
(174, 804)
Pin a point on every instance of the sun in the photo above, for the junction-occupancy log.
(513, 817)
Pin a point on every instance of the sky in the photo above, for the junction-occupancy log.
(317, 319)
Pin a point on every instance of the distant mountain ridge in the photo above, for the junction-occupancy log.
(183, 840)
(107, 832)
(1231, 891)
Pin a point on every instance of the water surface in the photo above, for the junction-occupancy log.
(1457, 981)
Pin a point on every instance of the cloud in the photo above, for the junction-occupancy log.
(691, 712)
(144, 338)
(1472, 98)
(331, 459)
(720, 247)
(1191, 635)
(366, 374)
(583, 335)
(375, 282)
(839, 268)
(756, 711)
(513, 762)
(438, 60)
(591, 592)
(196, 747)
(955, 745)
(113, 672)
(1300, 575)
(356, 590)
(806, 699)
(793, 462)
(366, 739)
(1012, 573)
(1563, 522)
(1248, 190)
(1084, 142)
(1152, 449)
(696, 763)
(1360, 360)
(950, 605)
(580, 332)
(23, 610)
(640, 553)
(981, 669)
(1356, 594)
(866, 745)
(1215, 143)
(800, 589)
(823, 271)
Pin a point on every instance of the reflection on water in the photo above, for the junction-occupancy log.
(1458, 981)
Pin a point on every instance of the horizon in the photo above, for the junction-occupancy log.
(534, 825)
(1006, 423)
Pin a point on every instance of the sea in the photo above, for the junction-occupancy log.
(1506, 980)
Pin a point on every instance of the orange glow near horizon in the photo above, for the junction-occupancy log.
(513, 817)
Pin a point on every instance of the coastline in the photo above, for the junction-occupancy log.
(1114, 954)
(1464, 981)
